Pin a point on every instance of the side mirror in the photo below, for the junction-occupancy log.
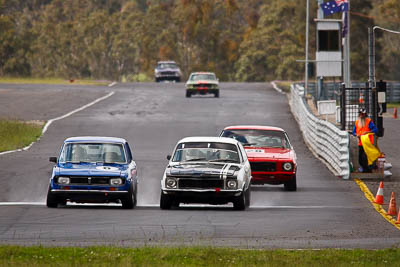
(53, 159)
(168, 157)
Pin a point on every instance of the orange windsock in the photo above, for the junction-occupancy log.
(392, 206)
(379, 195)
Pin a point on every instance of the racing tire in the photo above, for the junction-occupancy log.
(165, 202)
(216, 94)
(188, 94)
(51, 201)
(291, 185)
(178, 80)
(239, 203)
(248, 196)
(130, 201)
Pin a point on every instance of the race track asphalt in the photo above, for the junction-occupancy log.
(324, 212)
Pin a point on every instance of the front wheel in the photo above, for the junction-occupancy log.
(216, 94)
(51, 200)
(291, 185)
(130, 201)
(188, 94)
(239, 203)
(248, 196)
(165, 202)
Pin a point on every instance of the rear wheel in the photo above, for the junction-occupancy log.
(130, 201)
(291, 185)
(51, 200)
(165, 202)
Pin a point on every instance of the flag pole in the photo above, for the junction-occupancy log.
(347, 69)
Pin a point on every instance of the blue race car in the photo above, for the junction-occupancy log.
(93, 170)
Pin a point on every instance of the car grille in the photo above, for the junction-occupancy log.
(168, 73)
(91, 180)
(263, 166)
(201, 183)
(202, 85)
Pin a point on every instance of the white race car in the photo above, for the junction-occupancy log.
(212, 170)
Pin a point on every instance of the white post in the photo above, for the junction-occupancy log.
(307, 34)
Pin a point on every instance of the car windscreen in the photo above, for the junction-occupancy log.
(206, 151)
(258, 138)
(93, 152)
(167, 66)
(199, 77)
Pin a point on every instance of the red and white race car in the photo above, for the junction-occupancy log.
(271, 156)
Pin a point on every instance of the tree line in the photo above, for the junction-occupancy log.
(252, 40)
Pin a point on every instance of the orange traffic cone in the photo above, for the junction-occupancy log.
(395, 113)
(379, 195)
(398, 218)
(392, 206)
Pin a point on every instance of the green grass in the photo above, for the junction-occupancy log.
(192, 256)
(16, 134)
(393, 105)
(284, 86)
(50, 81)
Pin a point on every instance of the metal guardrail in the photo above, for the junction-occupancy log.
(326, 140)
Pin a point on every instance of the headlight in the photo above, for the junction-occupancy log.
(63, 180)
(231, 184)
(115, 181)
(170, 182)
(287, 166)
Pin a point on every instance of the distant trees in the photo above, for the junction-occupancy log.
(251, 40)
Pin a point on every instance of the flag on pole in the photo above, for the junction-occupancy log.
(335, 6)
(345, 26)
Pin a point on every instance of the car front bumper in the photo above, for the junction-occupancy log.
(87, 196)
(271, 177)
(202, 91)
(209, 196)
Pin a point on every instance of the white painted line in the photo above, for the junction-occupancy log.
(46, 126)
(182, 205)
(298, 207)
(112, 84)
(277, 88)
(22, 204)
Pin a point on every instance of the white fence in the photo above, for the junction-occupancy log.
(327, 141)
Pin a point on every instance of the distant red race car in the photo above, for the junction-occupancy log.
(271, 156)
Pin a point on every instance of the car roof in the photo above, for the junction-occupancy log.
(202, 72)
(166, 61)
(94, 139)
(254, 127)
(209, 139)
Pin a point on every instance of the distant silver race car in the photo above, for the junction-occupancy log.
(213, 170)
(167, 71)
(201, 83)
